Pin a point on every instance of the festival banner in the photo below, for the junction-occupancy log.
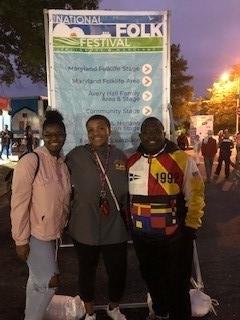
(200, 125)
(111, 63)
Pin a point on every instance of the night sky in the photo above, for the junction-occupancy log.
(207, 30)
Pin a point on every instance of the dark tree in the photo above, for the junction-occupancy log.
(181, 91)
(22, 47)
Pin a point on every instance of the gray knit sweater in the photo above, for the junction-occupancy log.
(87, 225)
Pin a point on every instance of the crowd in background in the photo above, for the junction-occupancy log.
(209, 147)
(11, 145)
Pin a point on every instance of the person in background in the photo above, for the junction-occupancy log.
(29, 138)
(224, 154)
(237, 140)
(6, 139)
(220, 137)
(197, 149)
(182, 141)
(39, 211)
(167, 200)
(209, 150)
(96, 224)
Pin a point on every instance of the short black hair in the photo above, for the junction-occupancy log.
(99, 117)
(53, 117)
(150, 120)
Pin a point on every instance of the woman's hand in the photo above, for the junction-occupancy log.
(23, 251)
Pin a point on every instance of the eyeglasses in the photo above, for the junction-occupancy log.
(54, 135)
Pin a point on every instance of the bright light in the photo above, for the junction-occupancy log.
(225, 76)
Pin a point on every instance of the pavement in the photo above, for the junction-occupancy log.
(218, 248)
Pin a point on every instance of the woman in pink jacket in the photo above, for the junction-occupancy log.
(39, 210)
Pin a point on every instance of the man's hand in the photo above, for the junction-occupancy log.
(23, 251)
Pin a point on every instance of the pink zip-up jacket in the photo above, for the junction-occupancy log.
(40, 205)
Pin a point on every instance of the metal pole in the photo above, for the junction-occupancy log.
(172, 127)
(46, 30)
(237, 105)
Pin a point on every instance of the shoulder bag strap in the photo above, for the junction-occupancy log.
(38, 163)
(108, 182)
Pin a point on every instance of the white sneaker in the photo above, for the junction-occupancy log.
(116, 314)
(88, 317)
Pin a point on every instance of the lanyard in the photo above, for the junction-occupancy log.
(102, 173)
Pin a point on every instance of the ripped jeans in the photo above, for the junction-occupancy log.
(42, 264)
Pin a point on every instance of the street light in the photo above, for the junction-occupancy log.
(224, 77)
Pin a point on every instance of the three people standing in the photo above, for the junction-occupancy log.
(166, 192)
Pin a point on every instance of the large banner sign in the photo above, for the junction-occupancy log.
(111, 63)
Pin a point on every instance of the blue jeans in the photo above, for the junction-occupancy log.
(42, 266)
(208, 162)
(5, 146)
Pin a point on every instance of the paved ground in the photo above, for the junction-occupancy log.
(218, 246)
(5, 167)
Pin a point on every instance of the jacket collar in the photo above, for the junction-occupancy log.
(45, 151)
(169, 147)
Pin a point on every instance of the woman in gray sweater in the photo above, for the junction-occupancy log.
(96, 225)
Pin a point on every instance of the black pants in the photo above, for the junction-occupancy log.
(227, 166)
(166, 270)
(115, 261)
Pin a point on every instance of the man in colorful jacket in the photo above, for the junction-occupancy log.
(167, 200)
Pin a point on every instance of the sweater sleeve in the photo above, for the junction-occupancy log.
(23, 178)
(67, 200)
(193, 188)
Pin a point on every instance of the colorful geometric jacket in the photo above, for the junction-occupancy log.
(167, 192)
